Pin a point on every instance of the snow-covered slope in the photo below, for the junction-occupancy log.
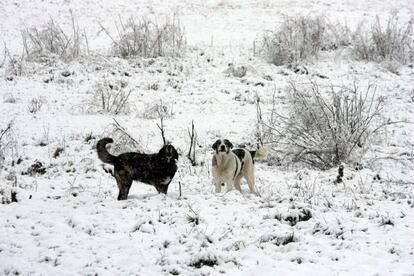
(67, 220)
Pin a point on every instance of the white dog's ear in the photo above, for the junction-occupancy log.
(228, 143)
(215, 145)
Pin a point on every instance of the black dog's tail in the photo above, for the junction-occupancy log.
(103, 153)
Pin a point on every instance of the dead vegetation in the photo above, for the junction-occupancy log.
(143, 37)
(111, 96)
(156, 111)
(8, 142)
(301, 38)
(324, 131)
(35, 105)
(52, 39)
(124, 141)
(391, 42)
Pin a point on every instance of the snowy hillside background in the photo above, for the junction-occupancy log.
(59, 214)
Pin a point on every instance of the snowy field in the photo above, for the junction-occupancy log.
(67, 221)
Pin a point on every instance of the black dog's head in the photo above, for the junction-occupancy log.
(168, 153)
(222, 146)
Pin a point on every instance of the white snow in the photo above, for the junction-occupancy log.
(68, 221)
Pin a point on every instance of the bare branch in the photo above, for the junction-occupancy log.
(193, 140)
(162, 129)
(7, 129)
(119, 127)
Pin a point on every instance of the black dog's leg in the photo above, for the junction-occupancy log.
(162, 188)
(124, 190)
(124, 182)
(158, 188)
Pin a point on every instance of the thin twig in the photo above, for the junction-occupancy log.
(122, 129)
(3, 132)
(191, 151)
(161, 128)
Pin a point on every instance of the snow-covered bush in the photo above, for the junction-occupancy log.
(51, 39)
(323, 131)
(9, 98)
(111, 96)
(392, 43)
(146, 38)
(156, 111)
(301, 38)
(35, 105)
(205, 259)
(8, 143)
(278, 240)
(16, 66)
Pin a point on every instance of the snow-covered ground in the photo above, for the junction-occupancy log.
(67, 220)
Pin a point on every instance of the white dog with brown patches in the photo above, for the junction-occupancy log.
(230, 166)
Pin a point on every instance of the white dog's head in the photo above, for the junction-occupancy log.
(222, 146)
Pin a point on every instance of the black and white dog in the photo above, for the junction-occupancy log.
(230, 166)
(154, 169)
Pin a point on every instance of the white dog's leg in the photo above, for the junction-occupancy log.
(250, 181)
(229, 183)
(216, 178)
(217, 186)
(237, 183)
(229, 186)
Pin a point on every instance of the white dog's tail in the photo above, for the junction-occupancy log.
(260, 153)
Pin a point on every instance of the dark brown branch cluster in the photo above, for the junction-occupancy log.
(193, 140)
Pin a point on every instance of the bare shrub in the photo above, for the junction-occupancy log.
(35, 105)
(205, 258)
(51, 39)
(9, 98)
(297, 39)
(153, 86)
(157, 111)
(8, 142)
(324, 131)
(390, 43)
(146, 38)
(193, 217)
(278, 239)
(111, 96)
(15, 63)
(337, 35)
(124, 141)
